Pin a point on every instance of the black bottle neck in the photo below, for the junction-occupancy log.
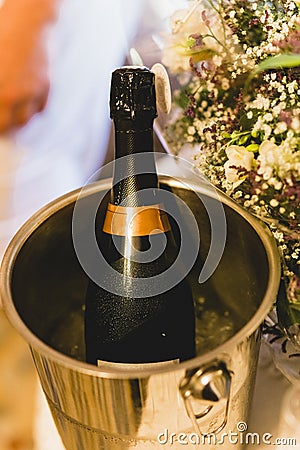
(136, 172)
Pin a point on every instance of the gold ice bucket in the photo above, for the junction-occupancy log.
(193, 403)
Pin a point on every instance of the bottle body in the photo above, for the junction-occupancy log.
(120, 327)
(139, 330)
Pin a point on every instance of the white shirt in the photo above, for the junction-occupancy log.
(61, 147)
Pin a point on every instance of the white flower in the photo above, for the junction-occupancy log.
(280, 128)
(267, 130)
(278, 159)
(176, 53)
(262, 102)
(268, 159)
(238, 157)
(225, 84)
(292, 87)
(217, 60)
(296, 123)
(268, 117)
(191, 130)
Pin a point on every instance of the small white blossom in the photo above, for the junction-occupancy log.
(268, 117)
(283, 96)
(191, 130)
(280, 128)
(225, 84)
(296, 124)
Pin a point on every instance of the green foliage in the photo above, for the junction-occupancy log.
(274, 62)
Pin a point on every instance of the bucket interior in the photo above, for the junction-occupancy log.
(48, 283)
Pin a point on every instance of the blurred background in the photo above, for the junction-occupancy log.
(56, 59)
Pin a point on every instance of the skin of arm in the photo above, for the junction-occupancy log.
(24, 83)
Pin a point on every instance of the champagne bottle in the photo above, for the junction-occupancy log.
(150, 328)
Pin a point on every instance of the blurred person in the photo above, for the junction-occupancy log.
(56, 59)
(24, 80)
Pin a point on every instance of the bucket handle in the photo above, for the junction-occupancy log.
(207, 386)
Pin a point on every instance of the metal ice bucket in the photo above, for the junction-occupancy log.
(197, 402)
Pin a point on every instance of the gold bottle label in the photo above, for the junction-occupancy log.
(135, 221)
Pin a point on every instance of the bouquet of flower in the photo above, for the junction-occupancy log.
(237, 103)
